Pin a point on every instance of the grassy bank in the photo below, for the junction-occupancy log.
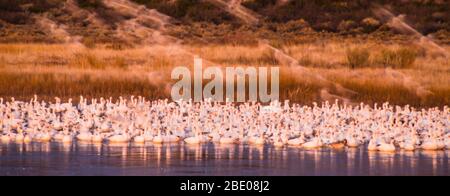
(412, 76)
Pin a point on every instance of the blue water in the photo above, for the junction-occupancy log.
(211, 159)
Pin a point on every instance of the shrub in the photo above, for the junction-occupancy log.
(14, 17)
(346, 25)
(90, 3)
(8, 5)
(406, 57)
(324, 26)
(94, 62)
(88, 42)
(191, 10)
(400, 58)
(370, 24)
(258, 5)
(293, 26)
(207, 12)
(40, 6)
(358, 57)
(369, 21)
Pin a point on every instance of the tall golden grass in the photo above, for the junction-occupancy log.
(65, 71)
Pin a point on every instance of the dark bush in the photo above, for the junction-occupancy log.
(40, 6)
(207, 12)
(11, 6)
(17, 11)
(293, 26)
(190, 10)
(370, 24)
(90, 3)
(259, 5)
(14, 17)
(346, 25)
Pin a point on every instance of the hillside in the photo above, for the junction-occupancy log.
(216, 21)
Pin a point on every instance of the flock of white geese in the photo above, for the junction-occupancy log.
(380, 128)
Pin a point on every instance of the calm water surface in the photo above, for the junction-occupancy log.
(211, 159)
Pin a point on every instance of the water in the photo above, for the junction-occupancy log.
(211, 159)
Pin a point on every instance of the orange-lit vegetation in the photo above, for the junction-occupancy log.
(71, 70)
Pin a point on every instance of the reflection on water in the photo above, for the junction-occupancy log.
(211, 159)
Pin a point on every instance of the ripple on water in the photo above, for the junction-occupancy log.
(211, 159)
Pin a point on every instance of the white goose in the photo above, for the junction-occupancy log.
(97, 138)
(84, 136)
(316, 142)
(297, 141)
(119, 138)
(386, 147)
(194, 139)
(227, 124)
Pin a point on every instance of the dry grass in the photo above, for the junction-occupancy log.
(399, 58)
(73, 70)
(358, 57)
